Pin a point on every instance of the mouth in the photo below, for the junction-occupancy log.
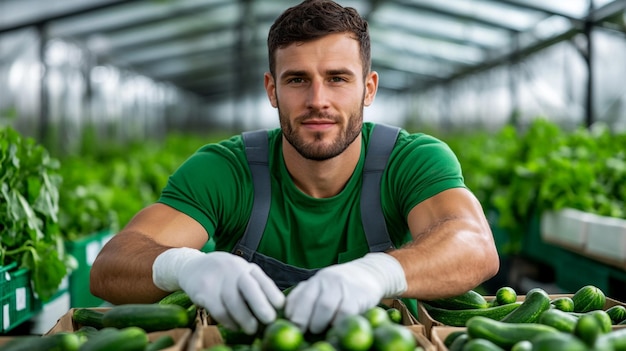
(318, 124)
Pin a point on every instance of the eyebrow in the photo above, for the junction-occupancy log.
(330, 72)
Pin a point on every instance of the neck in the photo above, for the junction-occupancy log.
(322, 179)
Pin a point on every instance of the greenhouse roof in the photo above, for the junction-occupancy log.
(217, 48)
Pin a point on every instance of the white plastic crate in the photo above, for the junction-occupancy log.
(568, 227)
(606, 238)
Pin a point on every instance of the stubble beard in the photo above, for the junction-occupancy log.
(316, 150)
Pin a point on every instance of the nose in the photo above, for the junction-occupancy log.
(317, 95)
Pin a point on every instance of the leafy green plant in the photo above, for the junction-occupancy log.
(28, 211)
(520, 174)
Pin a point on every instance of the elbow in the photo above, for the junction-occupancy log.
(491, 264)
(96, 286)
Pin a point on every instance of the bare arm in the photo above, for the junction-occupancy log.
(453, 248)
(122, 272)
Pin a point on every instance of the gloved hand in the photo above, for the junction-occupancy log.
(344, 289)
(235, 292)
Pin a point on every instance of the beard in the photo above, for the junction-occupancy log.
(318, 150)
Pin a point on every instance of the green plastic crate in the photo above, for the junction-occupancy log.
(85, 251)
(17, 298)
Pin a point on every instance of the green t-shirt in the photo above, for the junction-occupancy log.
(214, 186)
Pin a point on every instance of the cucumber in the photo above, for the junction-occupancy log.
(458, 318)
(588, 329)
(564, 303)
(235, 337)
(88, 317)
(459, 342)
(110, 339)
(603, 319)
(558, 341)
(449, 339)
(54, 342)
(393, 337)
(468, 300)
(481, 345)
(178, 297)
(536, 302)
(616, 338)
(160, 343)
(505, 295)
(617, 313)
(149, 317)
(588, 298)
(376, 316)
(558, 319)
(504, 334)
(283, 335)
(523, 345)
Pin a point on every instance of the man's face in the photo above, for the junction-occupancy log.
(320, 94)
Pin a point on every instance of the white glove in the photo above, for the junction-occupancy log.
(235, 292)
(344, 289)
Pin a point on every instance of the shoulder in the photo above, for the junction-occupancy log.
(407, 142)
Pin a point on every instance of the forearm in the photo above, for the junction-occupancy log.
(122, 272)
(453, 257)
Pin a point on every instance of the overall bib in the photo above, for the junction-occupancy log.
(381, 143)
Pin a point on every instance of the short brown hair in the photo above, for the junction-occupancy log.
(313, 19)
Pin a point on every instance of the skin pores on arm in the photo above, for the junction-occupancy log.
(452, 249)
(122, 272)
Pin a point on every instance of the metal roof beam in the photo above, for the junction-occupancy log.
(153, 20)
(73, 13)
(455, 15)
(532, 7)
(437, 36)
(608, 10)
(523, 52)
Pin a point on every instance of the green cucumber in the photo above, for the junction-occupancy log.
(149, 317)
(458, 318)
(505, 295)
(481, 345)
(468, 300)
(110, 339)
(449, 339)
(536, 302)
(178, 297)
(54, 342)
(393, 337)
(88, 317)
(459, 342)
(505, 334)
(588, 329)
(563, 321)
(617, 313)
(563, 303)
(558, 341)
(616, 338)
(523, 345)
(283, 335)
(603, 319)
(160, 343)
(588, 298)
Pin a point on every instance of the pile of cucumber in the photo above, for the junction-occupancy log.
(379, 328)
(537, 323)
(119, 328)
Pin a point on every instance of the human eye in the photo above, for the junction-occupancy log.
(337, 79)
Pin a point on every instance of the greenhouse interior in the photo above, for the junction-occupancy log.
(103, 101)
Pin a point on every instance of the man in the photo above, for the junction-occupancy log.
(319, 80)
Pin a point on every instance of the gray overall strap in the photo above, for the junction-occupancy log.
(381, 143)
(257, 153)
(379, 148)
